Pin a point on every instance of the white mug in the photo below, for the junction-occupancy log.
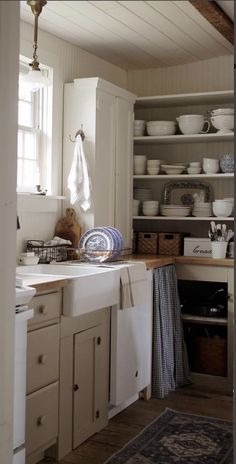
(193, 124)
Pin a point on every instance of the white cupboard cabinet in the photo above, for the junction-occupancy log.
(105, 113)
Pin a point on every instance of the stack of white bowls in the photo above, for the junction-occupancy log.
(194, 167)
(140, 162)
(161, 127)
(153, 167)
(202, 209)
(223, 120)
(210, 166)
(231, 200)
(175, 210)
(150, 208)
(222, 208)
(139, 127)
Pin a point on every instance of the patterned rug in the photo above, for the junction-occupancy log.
(179, 438)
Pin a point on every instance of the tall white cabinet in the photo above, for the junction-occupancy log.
(105, 114)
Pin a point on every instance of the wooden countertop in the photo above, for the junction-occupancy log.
(44, 283)
(154, 261)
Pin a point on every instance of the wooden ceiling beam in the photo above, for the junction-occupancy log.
(216, 16)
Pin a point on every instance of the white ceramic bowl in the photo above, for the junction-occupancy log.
(139, 132)
(152, 163)
(210, 166)
(140, 158)
(195, 164)
(153, 171)
(218, 111)
(223, 122)
(139, 122)
(172, 169)
(142, 194)
(161, 128)
(190, 124)
(194, 170)
(222, 208)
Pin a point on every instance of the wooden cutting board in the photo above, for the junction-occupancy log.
(69, 228)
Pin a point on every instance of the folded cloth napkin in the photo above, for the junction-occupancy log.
(58, 241)
(133, 285)
(78, 180)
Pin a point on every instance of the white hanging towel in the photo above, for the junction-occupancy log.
(78, 180)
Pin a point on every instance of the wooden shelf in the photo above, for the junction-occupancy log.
(205, 320)
(226, 96)
(185, 218)
(169, 139)
(184, 176)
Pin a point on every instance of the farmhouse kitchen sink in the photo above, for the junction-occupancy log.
(88, 288)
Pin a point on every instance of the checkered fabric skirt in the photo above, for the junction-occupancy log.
(169, 362)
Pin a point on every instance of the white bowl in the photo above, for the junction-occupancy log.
(222, 208)
(161, 128)
(190, 124)
(172, 169)
(140, 158)
(152, 163)
(142, 194)
(195, 164)
(139, 132)
(194, 170)
(219, 111)
(153, 171)
(223, 122)
(210, 166)
(139, 123)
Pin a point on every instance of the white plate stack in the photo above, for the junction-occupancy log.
(202, 209)
(143, 194)
(175, 210)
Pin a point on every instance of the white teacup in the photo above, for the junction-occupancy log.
(27, 258)
(193, 124)
(210, 166)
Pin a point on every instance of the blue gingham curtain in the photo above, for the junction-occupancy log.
(169, 362)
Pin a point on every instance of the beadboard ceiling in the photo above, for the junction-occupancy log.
(135, 34)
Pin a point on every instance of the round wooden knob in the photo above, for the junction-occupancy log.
(43, 309)
(42, 359)
(41, 420)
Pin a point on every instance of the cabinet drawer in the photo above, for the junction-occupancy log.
(45, 307)
(41, 418)
(42, 357)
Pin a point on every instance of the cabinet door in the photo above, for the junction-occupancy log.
(90, 383)
(103, 188)
(123, 171)
(131, 349)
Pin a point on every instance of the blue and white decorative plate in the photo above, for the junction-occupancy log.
(101, 244)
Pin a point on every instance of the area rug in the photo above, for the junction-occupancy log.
(180, 438)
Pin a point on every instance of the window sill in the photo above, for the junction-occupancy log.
(30, 202)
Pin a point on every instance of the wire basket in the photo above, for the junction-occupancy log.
(100, 256)
(48, 253)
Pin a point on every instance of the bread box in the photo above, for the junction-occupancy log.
(199, 247)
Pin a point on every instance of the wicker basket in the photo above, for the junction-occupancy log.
(210, 356)
(171, 243)
(147, 242)
(48, 253)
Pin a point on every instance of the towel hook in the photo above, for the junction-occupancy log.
(79, 132)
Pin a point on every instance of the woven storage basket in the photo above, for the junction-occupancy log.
(210, 356)
(147, 242)
(171, 243)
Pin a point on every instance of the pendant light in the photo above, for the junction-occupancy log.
(34, 79)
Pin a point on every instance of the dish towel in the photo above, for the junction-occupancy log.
(78, 180)
(133, 285)
(58, 241)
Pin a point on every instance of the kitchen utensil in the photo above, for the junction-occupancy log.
(223, 228)
(213, 226)
(229, 235)
(211, 235)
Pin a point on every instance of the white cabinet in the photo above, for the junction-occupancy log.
(182, 149)
(131, 349)
(105, 112)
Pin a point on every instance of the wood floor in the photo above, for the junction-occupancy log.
(126, 425)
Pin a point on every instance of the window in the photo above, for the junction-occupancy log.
(34, 137)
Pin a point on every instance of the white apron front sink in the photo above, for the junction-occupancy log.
(89, 288)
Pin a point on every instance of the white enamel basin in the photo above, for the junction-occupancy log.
(88, 289)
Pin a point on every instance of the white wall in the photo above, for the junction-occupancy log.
(68, 62)
(201, 76)
(9, 40)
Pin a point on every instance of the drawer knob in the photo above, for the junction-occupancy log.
(43, 309)
(42, 359)
(41, 420)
